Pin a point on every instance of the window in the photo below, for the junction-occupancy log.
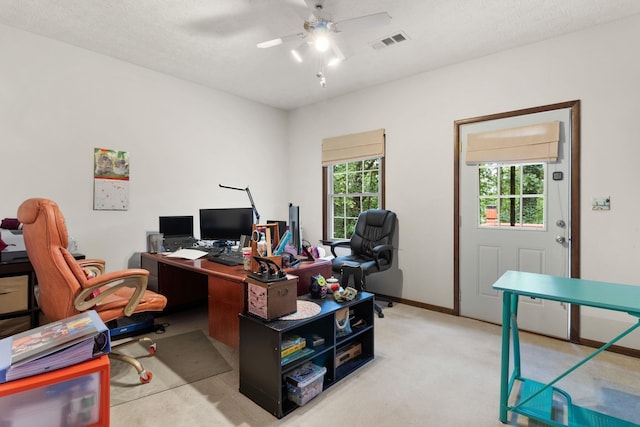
(354, 187)
(511, 195)
(352, 180)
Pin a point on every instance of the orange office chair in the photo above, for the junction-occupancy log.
(67, 286)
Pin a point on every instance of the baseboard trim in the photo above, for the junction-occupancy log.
(418, 304)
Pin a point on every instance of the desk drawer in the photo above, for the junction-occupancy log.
(14, 294)
(14, 325)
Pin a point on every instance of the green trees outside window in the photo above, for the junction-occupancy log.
(511, 195)
(355, 187)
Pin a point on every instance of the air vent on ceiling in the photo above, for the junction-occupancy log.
(389, 41)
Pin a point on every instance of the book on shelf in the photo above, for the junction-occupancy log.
(290, 350)
(292, 343)
(54, 346)
(296, 355)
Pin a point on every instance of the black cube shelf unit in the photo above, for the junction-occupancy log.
(261, 371)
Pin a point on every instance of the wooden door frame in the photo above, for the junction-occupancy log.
(574, 166)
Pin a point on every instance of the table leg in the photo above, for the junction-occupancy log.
(504, 367)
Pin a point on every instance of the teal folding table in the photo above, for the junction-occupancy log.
(536, 399)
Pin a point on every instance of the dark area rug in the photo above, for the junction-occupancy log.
(180, 359)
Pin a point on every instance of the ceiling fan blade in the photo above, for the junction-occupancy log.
(300, 52)
(337, 57)
(270, 43)
(281, 40)
(337, 51)
(363, 22)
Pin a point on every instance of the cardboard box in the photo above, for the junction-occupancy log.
(270, 300)
(14, 293)
(14, 325)
(348, 353)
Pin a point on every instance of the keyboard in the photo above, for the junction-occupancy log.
(172, 244)
(234, 258)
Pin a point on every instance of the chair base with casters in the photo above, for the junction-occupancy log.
(137, 324)
(349, 270)
(144, 375)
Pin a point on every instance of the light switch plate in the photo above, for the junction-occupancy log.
(602, 203)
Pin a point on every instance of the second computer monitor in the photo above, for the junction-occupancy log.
(176, 226)
(294, 228)
(282, 226)
(225, 223)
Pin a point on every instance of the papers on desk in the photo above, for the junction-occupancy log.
(188, 254)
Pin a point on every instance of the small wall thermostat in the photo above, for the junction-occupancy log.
(557, 176)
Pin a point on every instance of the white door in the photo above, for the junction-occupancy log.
(499, 232)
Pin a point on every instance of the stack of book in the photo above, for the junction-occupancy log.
(293, 348)
(53, 346)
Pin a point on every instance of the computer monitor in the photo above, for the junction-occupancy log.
(225, 223)
(294, 228)
(176, 226)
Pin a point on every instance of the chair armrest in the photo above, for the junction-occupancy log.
(96, 266)
(382, 251)
(108, 284)
(339, 243)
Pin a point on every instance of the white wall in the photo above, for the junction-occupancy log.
(58, 102)
(596, 66)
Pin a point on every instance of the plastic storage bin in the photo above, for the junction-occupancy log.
(305, 383)
(75, 396)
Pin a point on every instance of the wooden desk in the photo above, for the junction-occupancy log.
(186, 282)
(535, 399)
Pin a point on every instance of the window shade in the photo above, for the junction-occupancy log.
(533, 143)
(353, 147)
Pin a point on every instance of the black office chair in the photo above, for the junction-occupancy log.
(371, 249)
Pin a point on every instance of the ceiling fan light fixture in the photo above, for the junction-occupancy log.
(322, 43)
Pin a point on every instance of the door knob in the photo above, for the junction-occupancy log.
(560, 239)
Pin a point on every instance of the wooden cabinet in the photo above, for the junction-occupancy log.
(19, 309)
(262, 373)
(14, 305)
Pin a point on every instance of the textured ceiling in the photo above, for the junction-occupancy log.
(213, 42)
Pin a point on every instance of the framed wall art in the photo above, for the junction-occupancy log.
(110, 180)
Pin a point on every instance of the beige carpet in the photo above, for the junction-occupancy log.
(430, 369)
(180, 359)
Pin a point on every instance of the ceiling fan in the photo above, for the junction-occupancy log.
(319, 29)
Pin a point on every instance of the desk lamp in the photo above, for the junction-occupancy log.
(253, 205)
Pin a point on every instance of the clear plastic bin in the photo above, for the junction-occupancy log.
(305, 383)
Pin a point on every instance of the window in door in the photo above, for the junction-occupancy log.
(511, 195)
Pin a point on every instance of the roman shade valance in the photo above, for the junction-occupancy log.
(353, 147)
(532, 143)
